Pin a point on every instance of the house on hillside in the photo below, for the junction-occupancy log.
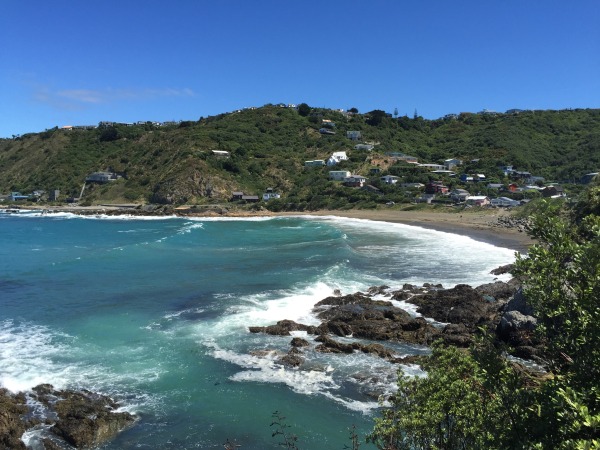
(220, 153)
(336, 158)
(390, 179)
(339, 175)
(355, 181)
(354, 135)
(459, 195)
(478, 200)
(101, 177)
(452, 163)
(553, 192)
(326, 131)
(433, 166)
(504, 202)
(367, 147)
(314, 163)
(237, 195)
(270, 194)
(436, 187)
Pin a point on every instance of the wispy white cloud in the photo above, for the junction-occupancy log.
(73, 99)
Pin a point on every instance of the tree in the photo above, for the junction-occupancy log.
(304, 110)
(376, 117)
(353, 110)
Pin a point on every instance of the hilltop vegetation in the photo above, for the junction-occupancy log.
(268, 147)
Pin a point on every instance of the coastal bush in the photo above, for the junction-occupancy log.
(476, 399)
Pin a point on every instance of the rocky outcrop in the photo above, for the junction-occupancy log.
(284, 328)
(81, 419)
(12, 426)
(461, 311)
(362, 317)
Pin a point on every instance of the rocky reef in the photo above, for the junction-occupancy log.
(60, 419)
(453, 316)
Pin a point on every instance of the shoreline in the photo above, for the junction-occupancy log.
(481, 225)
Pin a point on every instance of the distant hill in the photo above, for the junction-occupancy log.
(268, 147)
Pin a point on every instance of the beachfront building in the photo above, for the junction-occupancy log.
(478, 200)
(270, 194)
(504, 202)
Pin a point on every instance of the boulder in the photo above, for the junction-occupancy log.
(460, 305)
(86, 419)
(283, 328)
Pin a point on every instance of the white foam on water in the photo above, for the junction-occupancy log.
(264, 369)
(27, 357)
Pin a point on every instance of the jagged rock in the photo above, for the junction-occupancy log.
(329, 345)
(81, 419)
(12, 426)
(502, 269)
(291, 359)
(460, 305)
(87, 419)
(378, 290)
(500, 291)
(518, 302)
(363, 317)
(299, 342)
(457, 334)
(283, 328)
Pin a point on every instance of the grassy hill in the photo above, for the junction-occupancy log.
(268, 147)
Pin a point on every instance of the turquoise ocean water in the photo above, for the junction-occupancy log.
(155, 312)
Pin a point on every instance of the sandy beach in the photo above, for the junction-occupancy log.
(481, 226)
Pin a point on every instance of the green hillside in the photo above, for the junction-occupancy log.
(268, 146)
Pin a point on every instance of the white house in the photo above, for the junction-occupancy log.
(478, 200)
(390, 179)
(269, 194)
(339, 175)
(336, 158)
(220, 153)
(433, 166)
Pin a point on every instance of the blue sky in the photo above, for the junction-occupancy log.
(81, 62)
